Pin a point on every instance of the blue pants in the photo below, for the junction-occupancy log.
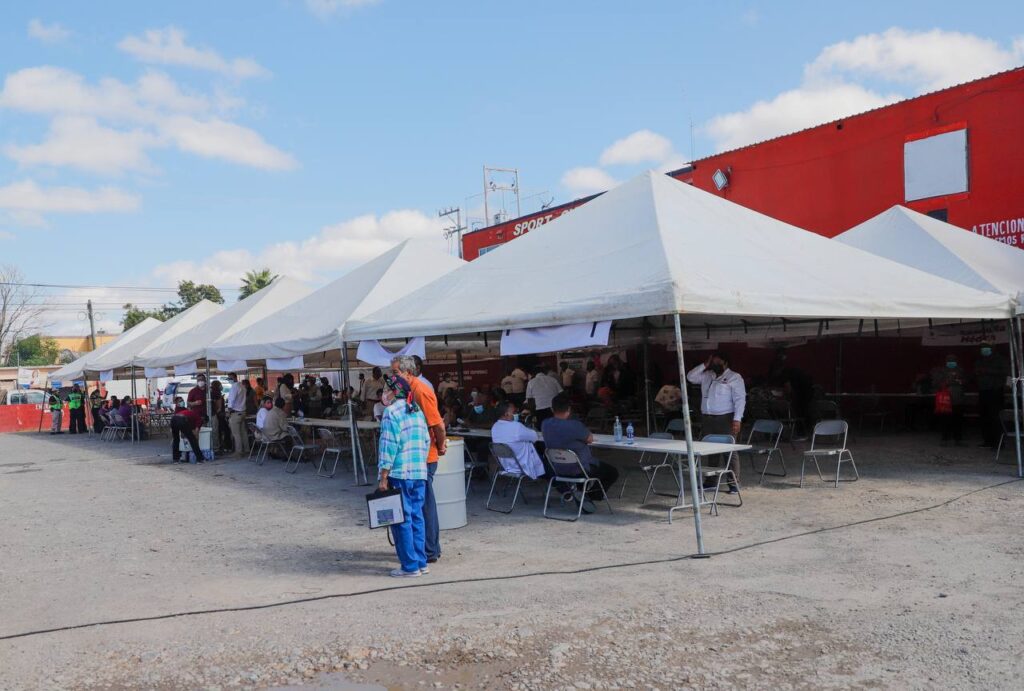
(409, 536)
(430, 516)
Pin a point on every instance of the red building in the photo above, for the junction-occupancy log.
(954, 154)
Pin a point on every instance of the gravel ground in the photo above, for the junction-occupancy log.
(93, 531)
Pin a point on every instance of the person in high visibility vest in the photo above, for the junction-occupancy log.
(76, 410)
(56, 411)
(96, 399)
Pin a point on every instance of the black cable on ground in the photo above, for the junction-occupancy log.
(487, 579)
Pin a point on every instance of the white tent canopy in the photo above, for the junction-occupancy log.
(127, 355)
(78, 368)
(315, 323)
(941, 249)
(191, 345)
(656, 246)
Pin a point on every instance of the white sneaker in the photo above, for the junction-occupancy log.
(425, 570)
(399, 573)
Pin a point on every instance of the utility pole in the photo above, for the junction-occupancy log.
(455, 229)
(92, 324)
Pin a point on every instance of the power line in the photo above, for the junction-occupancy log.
(93, 287)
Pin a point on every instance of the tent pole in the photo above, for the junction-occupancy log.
(647, 385)
(357, 456)
(1015, 379)
(695, 491)
(460, 372)
(132, 407)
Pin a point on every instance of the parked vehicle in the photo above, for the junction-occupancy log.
(23, 396)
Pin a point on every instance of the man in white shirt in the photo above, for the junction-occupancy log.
(521, 439)
(369, 392)
(446, 385)
(722, 401)
(593, 381)
(419, 372)
(567, 374)
(236, 416)
(542, 388)
(723, 395)
(261, 415)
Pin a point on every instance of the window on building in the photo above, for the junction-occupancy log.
(941, 214)
(935, 166)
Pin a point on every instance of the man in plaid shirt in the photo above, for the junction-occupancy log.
(404, 444)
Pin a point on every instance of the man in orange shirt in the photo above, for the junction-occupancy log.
(423, 395)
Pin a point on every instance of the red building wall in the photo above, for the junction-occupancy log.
(829, 178)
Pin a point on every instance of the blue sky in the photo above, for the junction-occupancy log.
(141, 143)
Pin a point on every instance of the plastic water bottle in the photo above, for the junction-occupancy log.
(629, 433)
(617, 430)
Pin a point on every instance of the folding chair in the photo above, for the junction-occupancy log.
(254, 435)
(769, 434)
(872, 407)
(471, 465)
(833, 429)
(569, 470)
(512, 473)
(1006, 422)
(260, 444)
(722, 473)
(782, 411)
(597, 419)
(650, 470)
(331, 445)
(299, 449)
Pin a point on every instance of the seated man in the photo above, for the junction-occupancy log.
(275, 428)
(521, 439)
(266, 405)
(670, 400)
(562, 432)
(482, 414)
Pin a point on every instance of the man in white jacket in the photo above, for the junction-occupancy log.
(521, 439)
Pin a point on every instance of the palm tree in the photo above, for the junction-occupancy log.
(255, 280)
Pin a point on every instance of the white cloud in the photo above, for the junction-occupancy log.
(642, 146)
(325, 8)
(587, 180)
(5, 235)
(334, 249)
(907, 62)
(27, 219)
(790, 111)
(169, 116)
(47, 33)
(26, 195)
(924, 60)
(168, 46)
(217, 138)
(81, 142)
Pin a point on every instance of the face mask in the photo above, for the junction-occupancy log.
(478, 409)
(718, 369)
(951, 365)
(986, 352)
(515, 418)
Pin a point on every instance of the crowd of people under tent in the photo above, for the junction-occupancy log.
(535, 406)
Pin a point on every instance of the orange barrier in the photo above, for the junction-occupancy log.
(24, 417)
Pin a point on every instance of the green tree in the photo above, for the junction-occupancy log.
(189, 293)
(133, 315)
(33, 351)
(254, 281)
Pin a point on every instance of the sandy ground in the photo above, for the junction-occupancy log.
(93, 531)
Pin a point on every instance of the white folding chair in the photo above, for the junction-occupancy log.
(260, 444)
(725, 472)
(764, 440)
(1009, 432)
(650, 470)
(298, 450)
(569, 470)
(331, 445)
(511, 471)
(831, 429)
